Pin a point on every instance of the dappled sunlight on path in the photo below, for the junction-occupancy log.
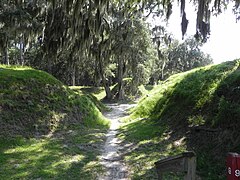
(111, 158)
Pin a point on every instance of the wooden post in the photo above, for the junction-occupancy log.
(185, 162)
(191, 166)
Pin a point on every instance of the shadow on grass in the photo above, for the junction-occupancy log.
(33, 101)
(33, 104)
(72, 154)
(192, 94)
(199, 113)
(205, 104)
(145, 142)
(149, 87)
(95, 90)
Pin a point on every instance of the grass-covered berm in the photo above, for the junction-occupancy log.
(197, 110)
(47, 130)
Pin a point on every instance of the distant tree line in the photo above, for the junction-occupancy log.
(95, 42)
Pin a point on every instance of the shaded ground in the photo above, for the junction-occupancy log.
(69, 154)
(196, 111)
(112, 159)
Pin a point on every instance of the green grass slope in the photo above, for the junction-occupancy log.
(33, 101)
(47, 131)
(197, 110)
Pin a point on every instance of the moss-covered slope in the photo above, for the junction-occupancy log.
(33, 102)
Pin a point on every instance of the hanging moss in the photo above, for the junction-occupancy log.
(184, 24)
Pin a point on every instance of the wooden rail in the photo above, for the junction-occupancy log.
(185, 162)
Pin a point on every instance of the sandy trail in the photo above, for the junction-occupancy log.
(111, 158)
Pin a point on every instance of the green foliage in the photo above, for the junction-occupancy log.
(175, 57)
(132, 50)
(197, 110)
(196, 120)
(65, 38)
(96, 94)
(33, 101)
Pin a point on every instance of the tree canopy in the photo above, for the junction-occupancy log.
(96, 41)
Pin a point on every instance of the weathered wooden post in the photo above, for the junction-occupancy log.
(185, 162)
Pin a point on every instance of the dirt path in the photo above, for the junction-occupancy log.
(111, 157)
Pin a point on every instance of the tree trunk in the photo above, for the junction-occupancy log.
(73, 75)
(120, 79)
(50, 60)
(97, 78)
(135, 79)
(134, 86)
(5, 58)
(107, 88)
(15, 55)
(162, 70)
(104, 81)
(21, 51)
